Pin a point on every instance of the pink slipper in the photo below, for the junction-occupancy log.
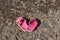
(32, 24)
(21, 22)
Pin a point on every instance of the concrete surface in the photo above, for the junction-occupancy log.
(48, 11)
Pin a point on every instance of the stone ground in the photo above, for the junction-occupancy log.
(48, 11)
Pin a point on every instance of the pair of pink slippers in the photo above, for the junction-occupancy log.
(22, 23)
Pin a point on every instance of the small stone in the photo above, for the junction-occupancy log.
(37, 39)
(21, 2)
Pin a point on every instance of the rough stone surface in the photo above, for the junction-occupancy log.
(48, 11)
